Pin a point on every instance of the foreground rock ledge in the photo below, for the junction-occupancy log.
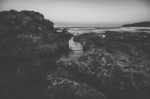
(63, 88)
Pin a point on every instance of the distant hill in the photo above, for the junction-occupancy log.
(140, 24)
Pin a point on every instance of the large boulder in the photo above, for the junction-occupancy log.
(26, 34)
(118, 64)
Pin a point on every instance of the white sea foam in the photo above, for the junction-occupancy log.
(78, 31)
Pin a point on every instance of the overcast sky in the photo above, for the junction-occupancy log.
(85, 12)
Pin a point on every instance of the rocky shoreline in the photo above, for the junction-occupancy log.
(117, 64)
(33, 62)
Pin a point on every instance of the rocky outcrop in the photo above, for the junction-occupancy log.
(141, 24)
(117, 65)
(26, 34)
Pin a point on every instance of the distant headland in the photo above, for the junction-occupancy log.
(140, 24)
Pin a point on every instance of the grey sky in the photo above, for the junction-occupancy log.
(85, 12)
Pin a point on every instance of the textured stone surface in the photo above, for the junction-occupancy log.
(62, 88)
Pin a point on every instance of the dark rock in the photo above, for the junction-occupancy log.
(117, 65)
(22, 79)
(27, 34)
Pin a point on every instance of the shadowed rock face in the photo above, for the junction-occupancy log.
(27, 34)
(117, 65)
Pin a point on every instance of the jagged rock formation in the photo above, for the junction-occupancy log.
(141, 24)
(117, 65)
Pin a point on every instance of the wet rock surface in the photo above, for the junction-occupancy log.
(116, 64)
